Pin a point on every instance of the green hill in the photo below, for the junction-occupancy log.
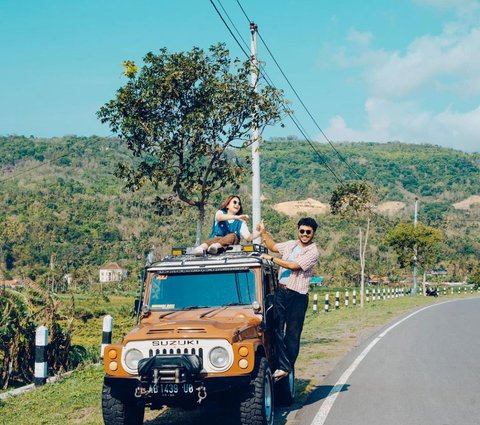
(63, 210)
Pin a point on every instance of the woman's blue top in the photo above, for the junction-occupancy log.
(223, 228)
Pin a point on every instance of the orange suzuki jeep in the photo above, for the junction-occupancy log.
(205, 331)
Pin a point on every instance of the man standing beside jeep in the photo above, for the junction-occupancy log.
(291, 298)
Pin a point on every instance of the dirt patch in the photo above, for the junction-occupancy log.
(390, 208)
(308, 206)
(313, 207)
(79, 416)
(466, 204)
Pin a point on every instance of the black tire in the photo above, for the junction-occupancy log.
(285, 390)
(256, 407)
(121, 409)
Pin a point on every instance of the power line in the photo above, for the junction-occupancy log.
(269, 83)
(33, 168)
(299, 98)
(228, 28)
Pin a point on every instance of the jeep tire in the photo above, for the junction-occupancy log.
(285, 390)
(121, 409)
(256, 408)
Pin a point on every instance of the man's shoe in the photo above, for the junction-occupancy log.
(279, 374)
(214, 247)
(198, 251)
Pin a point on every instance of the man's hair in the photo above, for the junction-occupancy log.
(308, 221)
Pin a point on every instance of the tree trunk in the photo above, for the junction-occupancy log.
(200, 221)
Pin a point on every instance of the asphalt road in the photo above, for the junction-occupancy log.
(423, 371)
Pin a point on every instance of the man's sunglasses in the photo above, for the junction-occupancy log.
(305, 231)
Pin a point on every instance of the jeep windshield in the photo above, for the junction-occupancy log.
(205, 289)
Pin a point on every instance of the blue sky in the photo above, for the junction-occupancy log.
(373, 70)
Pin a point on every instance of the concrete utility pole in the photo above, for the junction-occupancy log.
(256, 191)
(415, 285)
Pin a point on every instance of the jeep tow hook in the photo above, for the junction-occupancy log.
(202, 393)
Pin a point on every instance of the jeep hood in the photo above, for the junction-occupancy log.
(232, 323)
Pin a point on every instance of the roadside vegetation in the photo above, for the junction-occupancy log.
(326, 338)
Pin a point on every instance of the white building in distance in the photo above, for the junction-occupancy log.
(112, 272)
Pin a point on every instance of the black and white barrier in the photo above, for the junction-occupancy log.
(367, 296)
(315, 303)
(41, 343)
(347, 296)
(326, 303)
(337, 300)
(107, 333)
(354, 300)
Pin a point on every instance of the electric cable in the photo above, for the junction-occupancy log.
(289, 113)
(300, 99)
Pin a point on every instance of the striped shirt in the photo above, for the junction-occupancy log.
(299, 280)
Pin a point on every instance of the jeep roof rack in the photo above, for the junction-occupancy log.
(249, 248)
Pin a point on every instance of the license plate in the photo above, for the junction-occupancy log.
(172, 390)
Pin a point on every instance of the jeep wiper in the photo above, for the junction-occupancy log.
(193, 307)
(231, 304)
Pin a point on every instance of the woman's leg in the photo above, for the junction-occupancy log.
(230, 239)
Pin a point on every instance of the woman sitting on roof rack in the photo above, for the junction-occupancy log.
(229, 225)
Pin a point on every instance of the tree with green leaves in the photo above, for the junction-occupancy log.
(474, 278)
(182, 115)
(418, 243)
(354, 201)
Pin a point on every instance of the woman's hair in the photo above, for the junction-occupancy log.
(227, 201)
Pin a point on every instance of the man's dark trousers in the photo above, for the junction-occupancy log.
(289, 314)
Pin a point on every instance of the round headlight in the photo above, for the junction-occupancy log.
(132, 358)
(219, 357)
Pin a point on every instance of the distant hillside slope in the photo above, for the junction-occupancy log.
(63, 210)
(398, 171)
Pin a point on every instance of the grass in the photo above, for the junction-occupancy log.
(326, 338)
(90, 311)
(72, 400)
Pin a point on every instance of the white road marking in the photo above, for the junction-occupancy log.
(327, 405)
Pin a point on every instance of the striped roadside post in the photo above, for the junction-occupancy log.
(367, 299)
(337, 300)
(107, 333)
(354, 300)
(326, 303)
(373, 295)
(347, 295)
(41, 342)
(444, 291)
(384, 296)
(315, 303)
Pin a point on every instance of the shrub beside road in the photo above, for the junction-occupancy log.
(326, 338)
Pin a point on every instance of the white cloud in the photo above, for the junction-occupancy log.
(406, 122)
(418, 94)
(450, 60)
(359, 38)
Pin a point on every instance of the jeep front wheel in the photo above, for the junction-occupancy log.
(257, 406)
(121, 409)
